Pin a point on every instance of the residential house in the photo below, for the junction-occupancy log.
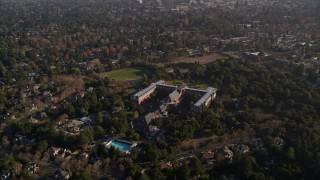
(33, 120)
(240, 148)
(23, 140)
(53, 151)
(42, 116)
(207, 156)
(74, 126)
(142, 123)
(165, 164)
(106, 116)
(33, 167)
(152, 131)
(256, 142)
(54, 110)
(84, 156)
(86, 120)
(226, 153)
(278, 141)
(59, 174)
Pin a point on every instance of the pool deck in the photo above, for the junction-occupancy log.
(108, 143)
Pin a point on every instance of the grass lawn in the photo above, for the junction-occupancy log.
(202, 60)
(203, 86)
(175, 82)
(125, 74)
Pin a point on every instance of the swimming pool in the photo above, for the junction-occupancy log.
(120, 145)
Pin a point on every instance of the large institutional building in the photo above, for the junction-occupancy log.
(177, 91)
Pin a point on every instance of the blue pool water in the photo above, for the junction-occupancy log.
(120, 145)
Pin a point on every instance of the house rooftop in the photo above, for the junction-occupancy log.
(151, 86)
(149, 117)
(174, 95)
(202, 99)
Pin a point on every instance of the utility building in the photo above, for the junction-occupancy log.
(206, 99)
(145, 93)
(207, 96)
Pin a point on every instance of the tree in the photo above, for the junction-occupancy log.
(99, 131)
(26, 174)
(83, 111)
(5, 141)
(113, 152)
(1, 69)
(12, 62)
(42, 146)
(132, 135)
(132, 170)
(119, 122)
(144, 177)
(195, 167)
(246, 165)
(62, 139)
(87, 136)
(184, 171)
(85, 175)
(234, 92)
(6, 162)
(290, 153)
(99, 118)
(155, 173)
(70, 110)
(76, 71)
(204, 177)
(151, 153)
(22, 54)
(23, 127)
(31, 54)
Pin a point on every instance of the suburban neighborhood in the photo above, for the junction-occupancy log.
(159, 89)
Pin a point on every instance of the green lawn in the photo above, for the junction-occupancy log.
(203, 86)
(175, 82)
(125, 74)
